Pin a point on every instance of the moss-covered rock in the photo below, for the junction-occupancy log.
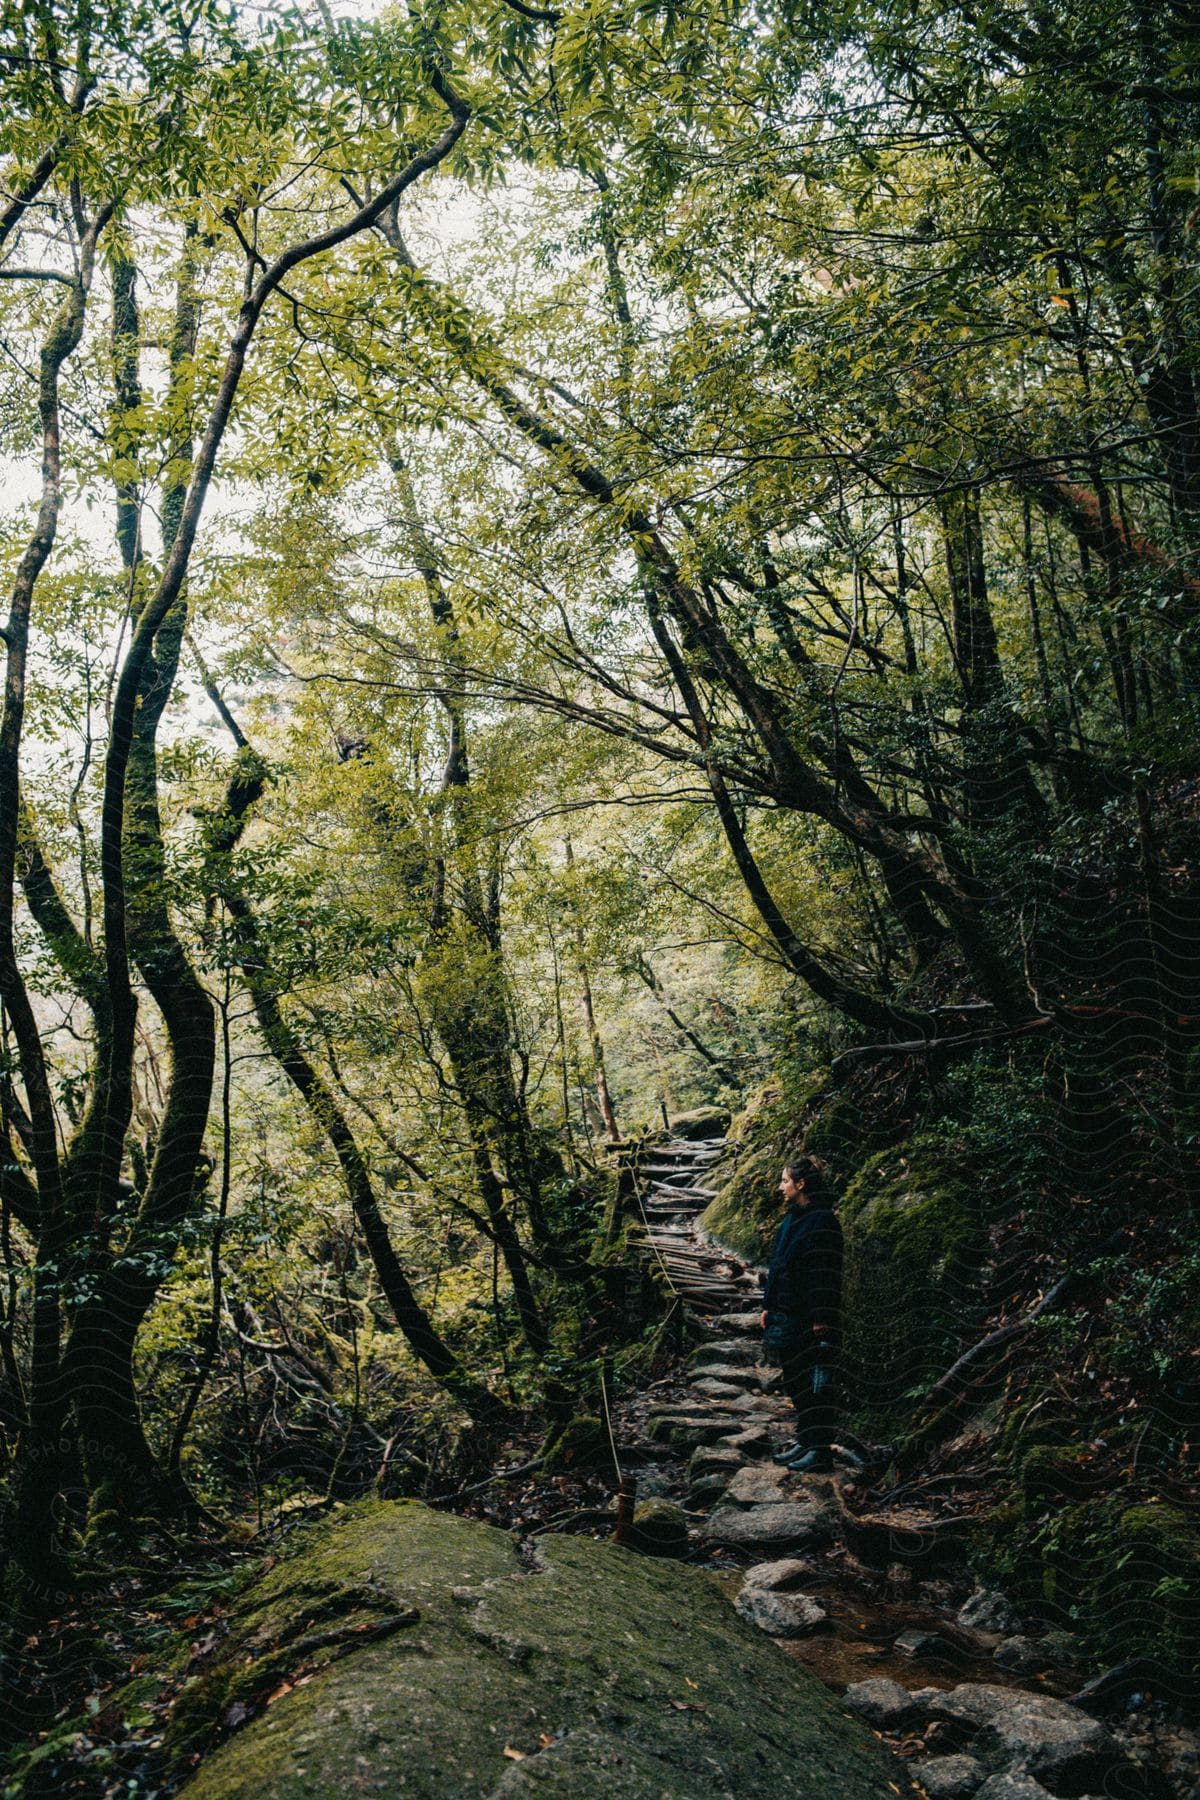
(1055, 1472)
(914, 1226)
(1147, 1594)
(581, 1670)
(701, 1122)
(659, 1529)
(1041, 1418)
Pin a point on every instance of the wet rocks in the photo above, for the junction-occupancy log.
(770, 1598)
(988, 1611)
(1030, 1734)
(949, 1777)
(781, 1615)
(1006, 1744)
(883, 1704)
(1022, 1656)
(920, 1644)
(1061, 1646)
(1012, 1787)
(784, 1576)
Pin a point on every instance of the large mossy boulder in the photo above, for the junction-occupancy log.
(566, 1667)
(700, 1123)
(914, 1222)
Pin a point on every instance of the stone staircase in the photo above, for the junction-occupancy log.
(671, 1191)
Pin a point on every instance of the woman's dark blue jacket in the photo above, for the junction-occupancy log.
(804, 1276)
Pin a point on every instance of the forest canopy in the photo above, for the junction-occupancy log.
(560, 559)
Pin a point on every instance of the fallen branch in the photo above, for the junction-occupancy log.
(985, 1350)
(923, 1046)
(503, 1475)
(950, 1394)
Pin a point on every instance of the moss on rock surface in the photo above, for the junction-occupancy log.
(765, 1133)
(578, 1669)
(914, 1226)
(579, 1443)
(659, 1529)
(701, 1122)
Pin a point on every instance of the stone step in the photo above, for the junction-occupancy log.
(718, 1295)
(709, 1266)
(671, 1189)
(712, 1459)
(686, 1431)
(736, 1375)
(693, 1158)
(758, 1484)
(709, 1388)
(731, 1415)
(736, 1350)
(783, 1525)
(678, 1165)
(706, 1491)
(742, 1322)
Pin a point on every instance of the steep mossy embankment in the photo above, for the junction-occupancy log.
(403, 1650)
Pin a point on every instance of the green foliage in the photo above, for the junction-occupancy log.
(763, 453)
(1152, 1325)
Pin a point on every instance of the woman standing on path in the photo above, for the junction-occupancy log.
(802, 1296)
